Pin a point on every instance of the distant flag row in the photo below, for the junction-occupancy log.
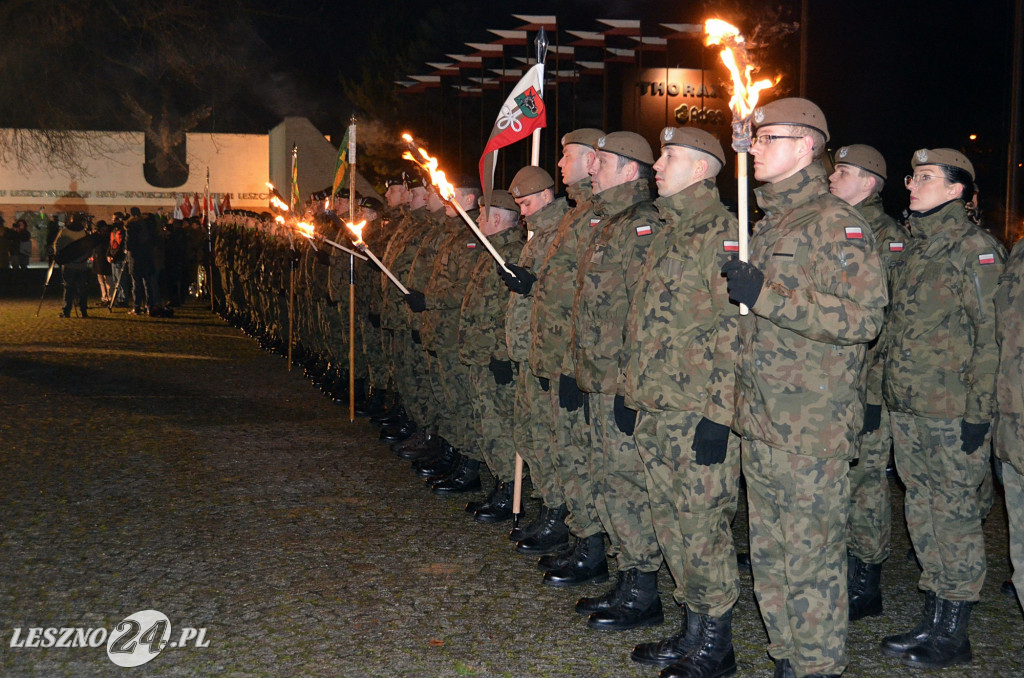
(200, 206)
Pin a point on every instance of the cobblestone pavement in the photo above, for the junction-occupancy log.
(169, 464)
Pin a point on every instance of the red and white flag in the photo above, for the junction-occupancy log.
(225, 203)
(522, 112)
(186, 207)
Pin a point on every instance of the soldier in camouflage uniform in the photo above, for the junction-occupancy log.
(858, 179)
(939, 360)
(1008, 422)
(816, 292)
(607, 279)
(380, 226)
(437, 309)
(681, 343)
(530, 432)
(481, 346)
(394, 315)
(551, 360)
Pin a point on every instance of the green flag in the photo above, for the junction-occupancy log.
(342, 166)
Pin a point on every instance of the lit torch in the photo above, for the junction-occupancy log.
(447, 193)
(742, 104)
(357, 229)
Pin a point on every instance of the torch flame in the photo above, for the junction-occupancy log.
(279, 219)
(437, 177)
(306, 229)
(745, 92)
(358, 230)
(278, 203)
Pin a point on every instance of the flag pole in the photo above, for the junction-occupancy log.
(291, 268)
(209, 238)
(541, 43)
(351, 272)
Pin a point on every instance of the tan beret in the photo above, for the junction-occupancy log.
(942, 156)
(586, 136)
(530, 180)
(862, 156)
(502, 200)
(694, 138)
(792, 111)
(627, 144)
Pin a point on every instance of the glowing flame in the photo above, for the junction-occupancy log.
(357, 229)
(278, 203)
(744, 92)
(437, 177)
(279, 219)
(306, 229)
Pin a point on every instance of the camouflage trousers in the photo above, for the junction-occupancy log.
(620, 489)
(692, 507)
(387, 342)
(452, 394)
(870, 524)
(412, 377)
(942, 503)
(375, 354)
(570, 465)
(1013, 487)
(492, 418)
(531, 434)
(798, 507)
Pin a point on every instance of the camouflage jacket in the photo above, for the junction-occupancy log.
(940, 353)
(799, 380)
(543, 223)
(606, 281)
(1008, 428)
(551, 320)
(890, 241)
(681, 330)
(456, 259)
(423, 262)
(398, 258)
(377, 235)
(482, 315)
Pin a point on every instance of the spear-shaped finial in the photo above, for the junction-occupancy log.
(541, 43)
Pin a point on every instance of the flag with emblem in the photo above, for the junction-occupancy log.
(522, 112)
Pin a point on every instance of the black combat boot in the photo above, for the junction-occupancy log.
(588, 564)
(948, 644)
(439, 466)
(399, 432)
(552, 535)
(558, 560)
(896, 645)
(498, 508)
(608, 599)
(865, 589)
(639, 604)
(669, 650)
(473, 506)
(711, 655)
(464, 478)
(522, 532)
(783, 669)
(416, 446)
(374, 404)
(396, 415)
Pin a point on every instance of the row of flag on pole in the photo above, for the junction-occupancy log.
(206, 206)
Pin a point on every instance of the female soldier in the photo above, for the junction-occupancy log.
(939, 364)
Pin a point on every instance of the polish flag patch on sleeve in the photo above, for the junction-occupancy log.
(643, 230)
(594, 222)
(470, 245)
(731, 245)
(854, 233)
(895, 247)
(988, 258)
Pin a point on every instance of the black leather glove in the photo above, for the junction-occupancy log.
(522, 280)
(710, 442)
(570, 398)
(872, 419)
(502, 371)
(375, 319)
(545, 384)
(416, 302)
(625, 418)
(745, 281)
(416, 337)
(972, 436)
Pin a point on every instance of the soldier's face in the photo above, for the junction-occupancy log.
(930, 188)
(575, 163)
(781, 158)
(605, 172)
(395, 195)
(417, 197)
(532, 203)
(674, 170)
(434, 202)
(850, 183)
